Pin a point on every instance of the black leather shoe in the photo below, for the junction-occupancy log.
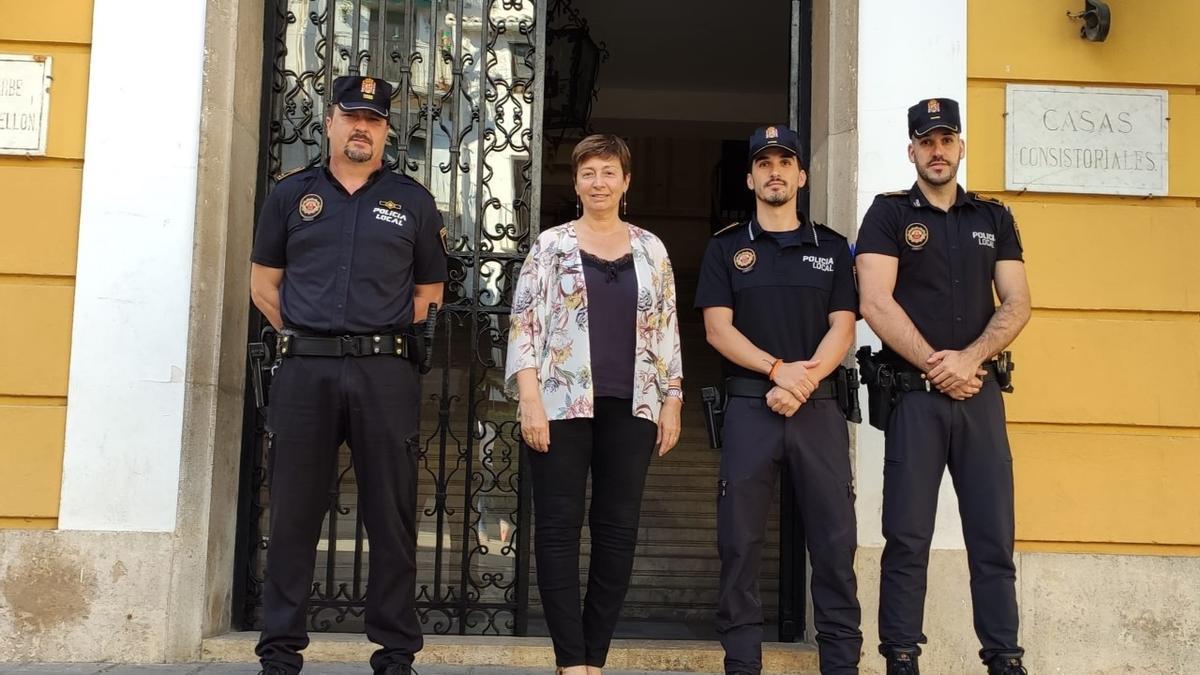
(270, 669)
(399, 669)
(1006, 665)
(902, 662)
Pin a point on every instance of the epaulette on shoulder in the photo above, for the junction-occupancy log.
(893, 193)
(290, 172)
(727, 228)
(983, 199)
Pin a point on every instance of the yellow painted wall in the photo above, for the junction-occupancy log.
(38, 235)
(1105, 423)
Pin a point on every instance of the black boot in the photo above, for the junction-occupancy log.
(902, 662)
(1006, 665)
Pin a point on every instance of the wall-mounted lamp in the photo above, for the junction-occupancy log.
(1097, 19)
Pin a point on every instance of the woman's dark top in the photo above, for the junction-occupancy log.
(612, 322)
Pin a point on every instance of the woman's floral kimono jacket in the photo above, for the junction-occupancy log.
(549, 326)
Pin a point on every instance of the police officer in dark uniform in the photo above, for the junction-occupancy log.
(928, 259)
(347, 257)
(779, 305)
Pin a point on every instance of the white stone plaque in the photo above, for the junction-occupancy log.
(1088, 140)
(24, 104)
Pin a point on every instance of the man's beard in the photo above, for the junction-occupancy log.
(355, 155)
(776, 198)
(930, 178)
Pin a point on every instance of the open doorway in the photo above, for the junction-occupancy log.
(684, 84)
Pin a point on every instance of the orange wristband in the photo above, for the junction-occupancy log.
(774, 367)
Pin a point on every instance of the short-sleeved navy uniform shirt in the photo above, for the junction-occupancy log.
(350, 267)
(947, 260)
(781, 286)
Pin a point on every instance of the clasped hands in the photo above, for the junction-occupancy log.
(957, 374)
(794, 383)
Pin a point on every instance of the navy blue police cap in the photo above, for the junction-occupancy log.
(363, 93)
(933, 113)
(775, 136)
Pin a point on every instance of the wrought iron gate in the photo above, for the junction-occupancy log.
(466, 123)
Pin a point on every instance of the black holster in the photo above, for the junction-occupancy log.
(714, 414)
(847, 394)
(882, 392)
(262, 357)
(1004, 367)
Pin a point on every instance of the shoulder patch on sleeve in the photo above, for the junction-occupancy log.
(725, 229)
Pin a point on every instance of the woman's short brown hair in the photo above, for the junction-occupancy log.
(601, 145)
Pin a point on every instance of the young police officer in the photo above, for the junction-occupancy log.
(927, 260)
(779, 305)
(346, 258)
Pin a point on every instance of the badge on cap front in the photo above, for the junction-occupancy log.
(934, 106)
(368, 88)
(771, 132)
(916, 236)
(744, 259)
(310, 206)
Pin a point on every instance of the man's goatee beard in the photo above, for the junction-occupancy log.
(357, 155)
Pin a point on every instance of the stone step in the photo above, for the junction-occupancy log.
(693, 656)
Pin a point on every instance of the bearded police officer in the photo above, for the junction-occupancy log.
(928, 259)
(347, 257)
(779, 305)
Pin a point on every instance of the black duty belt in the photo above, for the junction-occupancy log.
(914, 380)
(753, 387)
(346, 345)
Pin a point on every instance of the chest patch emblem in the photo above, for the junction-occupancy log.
(390, 212)
(916, 236)
(310, 206)
(744, 259)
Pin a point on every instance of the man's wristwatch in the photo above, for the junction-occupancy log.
(675, 392)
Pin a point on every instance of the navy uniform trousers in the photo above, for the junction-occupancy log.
(927, 433)
(815, 445)
(316, 403)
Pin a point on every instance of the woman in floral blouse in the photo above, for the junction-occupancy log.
(593, 355)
